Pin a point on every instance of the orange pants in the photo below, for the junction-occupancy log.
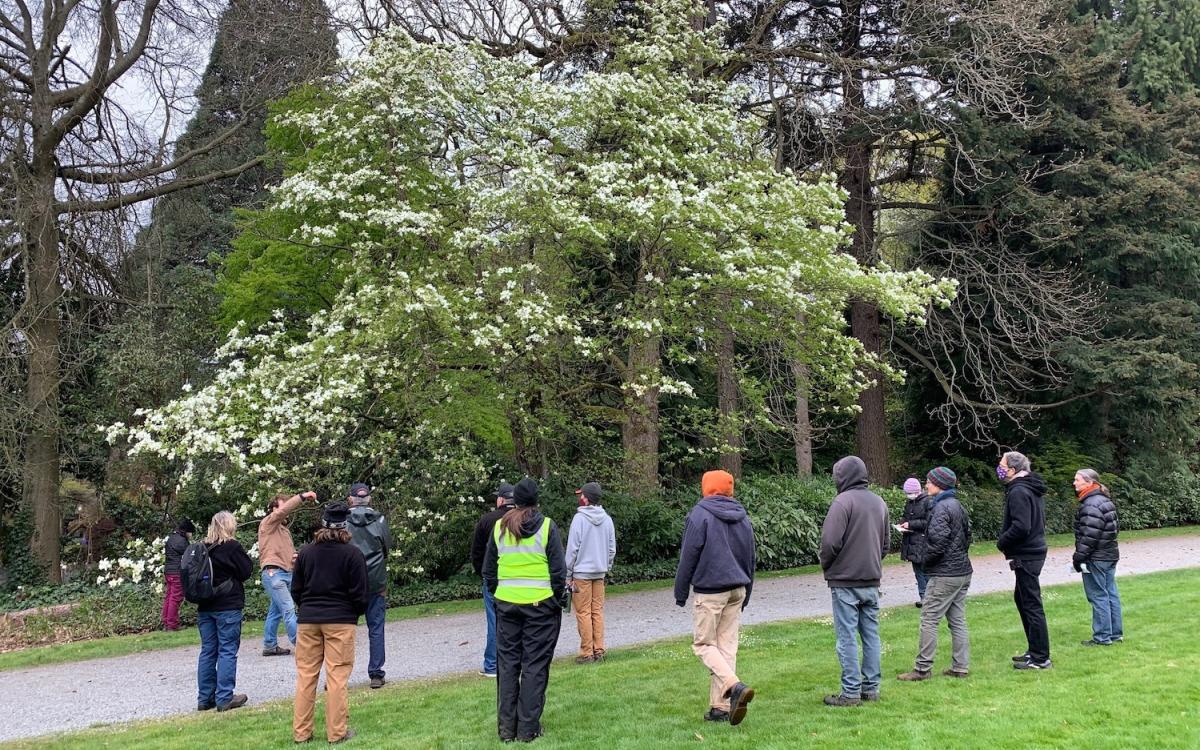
(334, 646)
(589, 615)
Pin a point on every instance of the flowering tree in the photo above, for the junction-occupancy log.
(512, 246)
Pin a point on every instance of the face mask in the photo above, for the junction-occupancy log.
(1001, 472)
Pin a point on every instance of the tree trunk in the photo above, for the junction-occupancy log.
(802, 432)
(639, 431)
(727, 402)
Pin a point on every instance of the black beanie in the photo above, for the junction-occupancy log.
(335, 515)
(526, 493)
(186, 526)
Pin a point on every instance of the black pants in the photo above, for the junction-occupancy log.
(526, 635)
(1028, 597)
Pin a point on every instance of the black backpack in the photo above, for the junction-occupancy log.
(196, 574)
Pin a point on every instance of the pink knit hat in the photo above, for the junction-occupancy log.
(912, 486)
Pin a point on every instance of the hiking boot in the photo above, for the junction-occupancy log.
(205, 706)
(377, 682)
(1020, 658)
(869, 697)
(584, 659)
(1031, 664)
(915, 676)
(236, 701)
(740, 696)
(598, 656)
(1094, 642)
(276, 651)
(955, 673)
(716, 714)
(349, 735)
(844, 701)
(917, 604)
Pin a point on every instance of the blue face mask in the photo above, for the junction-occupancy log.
(1001, 472)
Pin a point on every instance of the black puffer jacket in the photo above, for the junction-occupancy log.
(1096, 528)
(916, 514)
(948, 537)
(1023, 532)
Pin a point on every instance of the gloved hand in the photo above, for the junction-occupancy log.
(1076, 563)
(680, 602)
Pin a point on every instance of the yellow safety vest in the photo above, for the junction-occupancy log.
(523, 569)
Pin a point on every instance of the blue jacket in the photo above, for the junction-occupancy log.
(717, 553)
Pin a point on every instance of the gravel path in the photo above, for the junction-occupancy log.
(62, 697)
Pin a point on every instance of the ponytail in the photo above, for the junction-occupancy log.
(514, 519)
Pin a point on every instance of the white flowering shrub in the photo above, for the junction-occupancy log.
(142, 562)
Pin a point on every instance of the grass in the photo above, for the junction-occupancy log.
(1141, 693)
(129, 644)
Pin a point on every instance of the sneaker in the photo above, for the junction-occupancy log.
(303, 742)
(842, 700)
(276, 651)
(1020, 658)
(1094, 642)
(349, 735)
(1031, 664)
(584, 659)
(740, 696)
(236, 701)
(529, 737)
(956, 673)
(869, 697)
(716, 714)
(1119, 639)
(485, 673)
(377, 682)
(915, 676)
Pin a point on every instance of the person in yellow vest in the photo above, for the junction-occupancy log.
(525, 569)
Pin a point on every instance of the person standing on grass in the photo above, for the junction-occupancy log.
(716, 561)
(854, 540)
(524, 568)
(276, 554)
(948, 565)
(219, 619)
(1096, 556)
(369, 532)
(479, 542)
(176, 543)
(591, 547)
(912, 542)
(1023, 542)
(330, 588)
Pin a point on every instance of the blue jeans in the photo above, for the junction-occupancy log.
(376, 620)
(922, 579)
(1100, 586)
(216, 672)
(489, 649)
(278, 585)
(856, 610)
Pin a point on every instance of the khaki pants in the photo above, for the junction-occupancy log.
(715, 621)
(333, 645)
(589, 615)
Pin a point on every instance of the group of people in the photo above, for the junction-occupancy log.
(530, 577)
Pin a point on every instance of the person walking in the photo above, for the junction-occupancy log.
(912, 542)
(219, 619)
(948, 565)
(1096, 556)
(276, 554)
(174, 547)
(479, 542)
(524, 568)
(330, 588)
(369, 532)
(854, 541)
(1023, 542)
(591, 547)
(716, 561)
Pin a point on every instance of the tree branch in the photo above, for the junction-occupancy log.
(119, 201)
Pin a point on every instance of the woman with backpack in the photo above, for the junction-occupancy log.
(219, 617)
(913, 541)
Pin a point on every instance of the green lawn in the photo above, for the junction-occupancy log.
(1139, 694)
(129, 644)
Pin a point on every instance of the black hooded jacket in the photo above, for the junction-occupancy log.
(855, 536)
(555, 557)
(717, 553)
(1023, 532)
(916, 513)
(1096, 529)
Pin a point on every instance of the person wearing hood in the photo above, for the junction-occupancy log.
(369, 532)
(1096, 556)
(524, 569)
(914, 521)
(1023, 542)
(949, 568)
(591, 547)
(716, 561)
(479, 541)
(854, 540)
(176, 545)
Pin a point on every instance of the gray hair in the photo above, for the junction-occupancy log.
(357, 502)
(1090, 475)
(1016, 461)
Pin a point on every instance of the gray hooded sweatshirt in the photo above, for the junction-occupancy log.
(591, 544)
(855, 535)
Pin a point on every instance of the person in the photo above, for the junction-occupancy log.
(912, 542)
(854, 540)
(479, 542)
(524, 569)
(220, 619)
(330, 588)
(948, 565)
(276, 553)
(591, 548)
(716, 561)
(369, 532)
(175, 545)
(1096, 556)
(1023, 542)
